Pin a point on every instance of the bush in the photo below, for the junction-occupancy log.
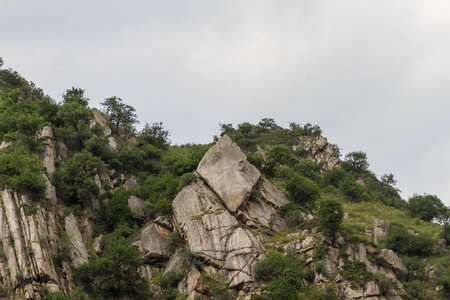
(356, 163)
(330, 213)
(280, 289)
(115, 272)
(334, 177)
(427, 208)
(351, 189)
(400, 240)
(302, 190)
(356, 272)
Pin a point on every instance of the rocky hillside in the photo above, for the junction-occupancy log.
(94, 210)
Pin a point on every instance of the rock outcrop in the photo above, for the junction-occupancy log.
(215, 233)
(320, 151)
(226, 170)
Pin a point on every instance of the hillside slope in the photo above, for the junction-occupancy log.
(91, 209)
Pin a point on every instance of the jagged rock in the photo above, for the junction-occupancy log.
(41, 262)
(136, 206)
(211, 230)
(259, 211)
(49, 154)
(371, 289)
(63, 151)
(390, 260)
(175, 264)
(304, 245)
(131, 183)
(279, 223)
(351, 291)
(320, 151)
(112, 145)
(226, 170)
(164, 222)
(271, 194)
(146, 272)
(50, 191)
(379, 231)
(78, 251)
(193, 200)
(8, 248)
(97, 244)
(154, 242)
(100, 119)
(5, 144)
(15, 228)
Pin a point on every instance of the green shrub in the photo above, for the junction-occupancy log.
(351, 189)
(280, 289)
(384, 283)
(302, 190)
(334, 177)
(415, 268)
(331, 214)
(355, 271)
(400, 240)
(220, 290)
(426, 207)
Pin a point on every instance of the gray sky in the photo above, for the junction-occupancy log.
(373, 74)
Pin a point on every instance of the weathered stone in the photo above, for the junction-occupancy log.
(379, 232)
(100, 119)
(279, 223)
(5, 144)
(164, 222)
(271, 194)
(136, 206)
(304, 245)
(41, 262)
(320, 151)
(193, 200)
(15, 228)
(112, 144)
(226, 170)
(78, 251)
(146, 272)
(97, 244)
(351, 291)
(390, 260)
(154, 243)
(131, 183)
(211, 230)
(8, 248)
(63, 151)
(259, 211)
(175, 264)
(371, 289)
(50, 191)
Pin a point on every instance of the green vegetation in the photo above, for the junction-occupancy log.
(330, 213)
(120, 113)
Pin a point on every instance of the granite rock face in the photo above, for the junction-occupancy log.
(214, 232)
(226, 170)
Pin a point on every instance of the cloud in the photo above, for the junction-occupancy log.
(372, 74)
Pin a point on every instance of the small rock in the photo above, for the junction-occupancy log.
(136, 206)
(5, 144)
(131, 183)
(97, 244)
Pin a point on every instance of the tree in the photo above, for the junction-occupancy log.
(1, 62)
(427, 208)
(267, 124)
(356, 162)
(330, 213)
(120, 113)
(302, 190)
(115, 272)
(75, 95)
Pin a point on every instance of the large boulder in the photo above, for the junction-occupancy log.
(154, 243)
(226, 170)
(78, 251)
(212, 231)
(390, 260)
(380, 229)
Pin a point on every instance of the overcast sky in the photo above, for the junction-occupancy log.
(373, 74)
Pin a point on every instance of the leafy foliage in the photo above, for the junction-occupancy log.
(426, 207)
(115, 272)
(330, 213)
(356, 163)
(120, 113)
(302, 190)
(400, 240)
